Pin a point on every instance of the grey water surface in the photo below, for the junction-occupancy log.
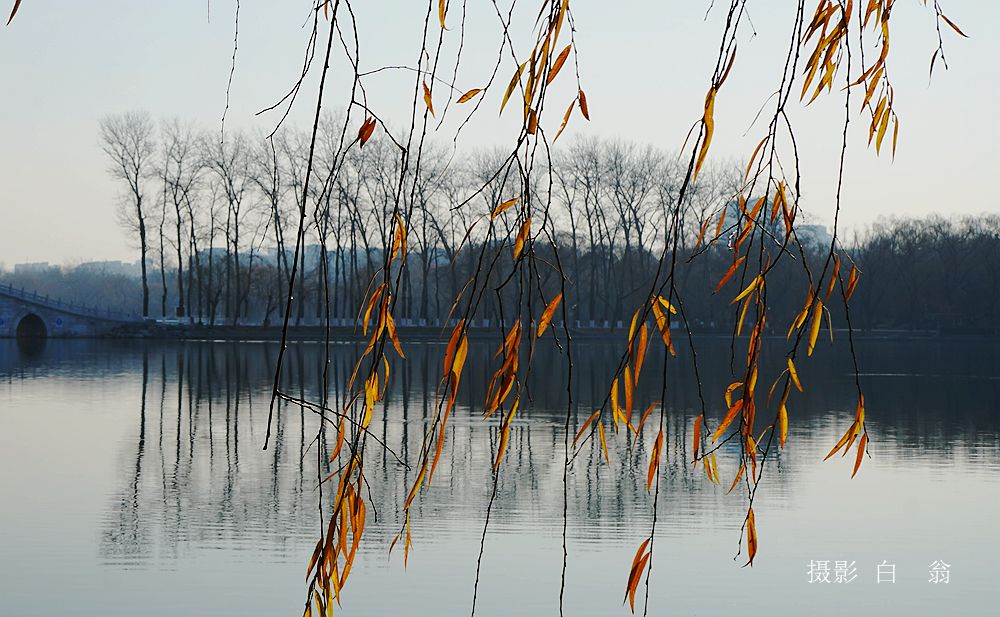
(133, 481)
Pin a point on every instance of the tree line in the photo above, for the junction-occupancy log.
(215, 218)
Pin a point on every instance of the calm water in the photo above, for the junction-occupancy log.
(133, 482)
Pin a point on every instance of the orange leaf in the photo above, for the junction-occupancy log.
(739, 474)
(550, 310)
(751, 537)
(427, 98)
(569, 110)
(948, 21)
(522, 237)
(814, 331)
(532, 122)
(468, 95)
(504, 206)
(558, 64)
(510, 87)
(783, 420)
(654, 460)
(709, 121)
(604, 444)
(442, 9)
(861, 453)
(366, 130)
(585, 425)
(735, 409)
(795, 375)
(645, 415)
(697, 435)
(583, 105)
(729, 273)
(635, 573)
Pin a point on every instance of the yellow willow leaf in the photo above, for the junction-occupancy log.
(843, 441)
(409, 541)
(749, 289)
(739, 474)
(743, 314)
(814, 330)
(709, 121)
(629, 385)
(546, 319)
(416, 486)
(532, 122)
(427, 98)
(569, 110)
(505, 434)
(583, 104)
(654, 460)
(661, 322)
(460, 355)
(795, 375)
(730, 415)
(504, 206)
(751, 537)
(783, 420)
(469, 95)
(371, 388)
(513, 84)
(399, 239)
(701, 234)
(371, 306)
(558, 64)
(713, 469)
(881, 131)
(852, 282)
(753, 157)
(341, 434)
(366, 130)
(442, 9)
(895, 133)
(13, 12)
(729, 392)
(616, 410)
(697, 435)
(640, 352)
(391, 327)
(604, 444)
(666, 304)
(585, 425)
(729, 274)
(861, 454)
(522, 237)
(645, 415)
(449, 353)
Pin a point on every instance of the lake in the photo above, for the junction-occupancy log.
(134, 482)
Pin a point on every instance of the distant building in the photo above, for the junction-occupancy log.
(815, 236)
(109, 267)
(36, 267)
(811, 236)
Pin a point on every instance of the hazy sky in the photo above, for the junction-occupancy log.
(645, 67)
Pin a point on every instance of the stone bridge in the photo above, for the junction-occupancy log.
(25, 314)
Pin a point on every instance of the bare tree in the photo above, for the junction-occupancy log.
(128, 141)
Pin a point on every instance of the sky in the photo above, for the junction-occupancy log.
(644, 65)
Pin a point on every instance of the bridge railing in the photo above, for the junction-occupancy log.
(69, 307)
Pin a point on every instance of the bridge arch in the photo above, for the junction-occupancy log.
(31, 326)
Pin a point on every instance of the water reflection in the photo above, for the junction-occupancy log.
(191, 478)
